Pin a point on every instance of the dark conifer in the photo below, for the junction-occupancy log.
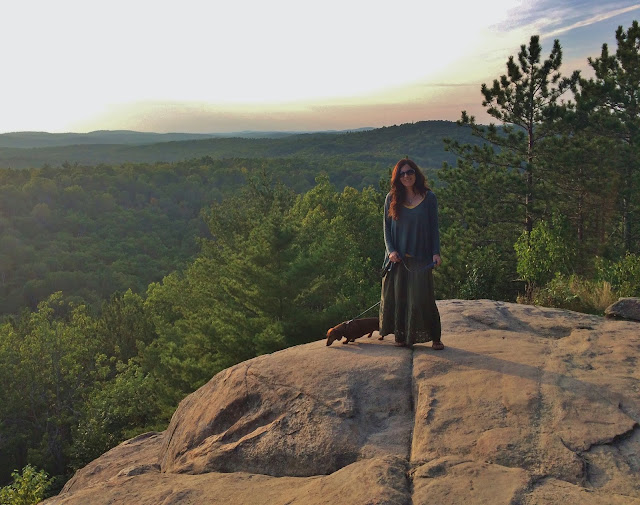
(609, 106)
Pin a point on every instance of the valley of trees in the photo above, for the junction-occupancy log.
(92, 231)
(125, 285)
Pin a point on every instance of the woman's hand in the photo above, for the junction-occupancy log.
(395, 257)
(437, 260)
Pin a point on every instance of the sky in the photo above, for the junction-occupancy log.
(212, 66)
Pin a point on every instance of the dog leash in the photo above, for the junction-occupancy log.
(364, 312)
(426, 267)
(389, 267)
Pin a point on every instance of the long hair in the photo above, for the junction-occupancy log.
(398, 191)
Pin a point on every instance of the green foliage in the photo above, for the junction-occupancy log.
(544, 252)
(279, 270)
(503, 182)
(66, 395)
(623, 275)
(29, 487)
(90, 231)
(526, 102)
(479, 220)
(572, 292)
(123, 326)
(116, 410)
(47, 364)
(584, 190)
(486, 275)
(608, 106)
(530, 91)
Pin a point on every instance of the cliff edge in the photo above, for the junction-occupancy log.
(525, 405)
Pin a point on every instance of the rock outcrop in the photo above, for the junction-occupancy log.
(624, 308)
(525, 405)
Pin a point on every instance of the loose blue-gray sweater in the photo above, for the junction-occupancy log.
(416, 231)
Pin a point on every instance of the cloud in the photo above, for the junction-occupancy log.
(202, 62)
(596, 18)
(550, 18)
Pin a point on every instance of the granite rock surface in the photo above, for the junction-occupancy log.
(525, 405)
(624, 308)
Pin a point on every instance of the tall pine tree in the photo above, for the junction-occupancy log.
(527, 103)
(609, 106)
(510, 165)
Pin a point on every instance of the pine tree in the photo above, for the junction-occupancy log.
(480, 221)
(527, 103)
(496, 187)
(609, 106)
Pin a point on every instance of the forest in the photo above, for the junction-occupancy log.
(127, 285)
(92, 230)
(422, 139)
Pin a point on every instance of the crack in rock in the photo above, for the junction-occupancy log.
(486, 421)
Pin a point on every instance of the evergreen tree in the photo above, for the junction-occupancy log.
(584, 189)
(501, 182)
(479, 221)
(527, 103)
(608, 105)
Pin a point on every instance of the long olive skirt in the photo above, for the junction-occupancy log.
(408, 303)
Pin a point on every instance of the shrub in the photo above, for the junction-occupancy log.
(623, 275)
(575, 293)
(28, 488)
(545, 252)
(486, 275)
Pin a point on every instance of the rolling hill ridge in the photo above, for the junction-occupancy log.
(422, 141)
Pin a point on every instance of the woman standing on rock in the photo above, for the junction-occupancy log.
(408, 304)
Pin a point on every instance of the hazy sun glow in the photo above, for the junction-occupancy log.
(85, 65)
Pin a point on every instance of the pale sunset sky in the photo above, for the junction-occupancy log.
(218, 66)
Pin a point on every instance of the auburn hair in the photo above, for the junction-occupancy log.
(399, 192)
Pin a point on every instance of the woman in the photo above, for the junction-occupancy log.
(408, 304)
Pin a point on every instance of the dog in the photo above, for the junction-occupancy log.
(353, 329)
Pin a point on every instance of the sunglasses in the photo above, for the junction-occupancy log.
(407, 173)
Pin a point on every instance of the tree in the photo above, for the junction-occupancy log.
(231, 302)
(128, 404)
(47, 368)
(123, 326)
(544, 253)
(609, 106)
(480, 221)
(584, 189)
(527, 103)
(279, 270)
(495, 185)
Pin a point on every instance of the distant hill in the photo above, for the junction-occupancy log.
(27, 140)
(422, 141)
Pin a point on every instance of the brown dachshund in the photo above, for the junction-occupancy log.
(353, 329)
